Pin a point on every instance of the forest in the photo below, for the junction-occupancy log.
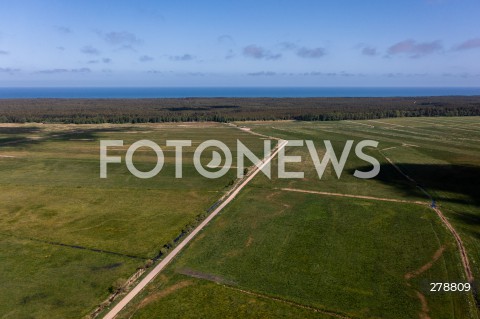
(91, 111)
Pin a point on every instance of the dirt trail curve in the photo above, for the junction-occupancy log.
(157, 269)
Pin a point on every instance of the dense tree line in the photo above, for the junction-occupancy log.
(91, 111)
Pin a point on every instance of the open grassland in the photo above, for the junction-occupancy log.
(42, 280)
(442, 155)
(349, 257)
(331, 255)
(68, 237)
(177, 296)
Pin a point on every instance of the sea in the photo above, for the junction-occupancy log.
(239, 92)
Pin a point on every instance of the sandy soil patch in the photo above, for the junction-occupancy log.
(165, 292)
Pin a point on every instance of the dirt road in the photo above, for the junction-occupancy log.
(461, 247)
(157, 269)
(353, 196)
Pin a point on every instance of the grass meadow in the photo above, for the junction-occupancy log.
(324, 256)
(68, 236)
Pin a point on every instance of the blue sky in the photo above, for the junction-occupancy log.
(240, 43)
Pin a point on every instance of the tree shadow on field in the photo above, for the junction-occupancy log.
(80, 133)
(18, 130)
(459, 181)
(457, 184)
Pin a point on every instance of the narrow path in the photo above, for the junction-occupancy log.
(352, 196)
(399, 170)
(157, 269)
(461, 247)
(424, 312)
(249, 130)
(427, 266)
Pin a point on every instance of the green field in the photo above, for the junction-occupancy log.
(332, 254)
(337, 255)
(68, 237)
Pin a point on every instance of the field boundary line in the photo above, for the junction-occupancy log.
(382, 122)
(96, 250)
(353, 122)
(220, 281)
(353, 196)
(291, 303)
(158, 268)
